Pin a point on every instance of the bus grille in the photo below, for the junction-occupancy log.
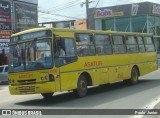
(26, 89)
(27, 82)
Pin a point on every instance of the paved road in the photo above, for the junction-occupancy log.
(115, 96)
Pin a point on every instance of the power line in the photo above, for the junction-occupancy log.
(47, 18)
(97, 3)
(57, 14)
(70, 6)
(61, 5)
(58, 9)
(73, 3)
(47, 12)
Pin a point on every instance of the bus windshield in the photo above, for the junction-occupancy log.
(31, 55)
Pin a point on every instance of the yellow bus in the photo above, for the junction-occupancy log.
(48, 60)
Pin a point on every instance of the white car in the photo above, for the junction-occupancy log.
(4, 74)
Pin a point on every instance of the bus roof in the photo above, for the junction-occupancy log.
(80, 31)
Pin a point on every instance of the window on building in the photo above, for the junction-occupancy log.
(103, 45)
(131, 43)
(156, 25)
(139, 24)
(149, 44)
(141, 44)
(108, 24)
(85, 45)
(66, 25)
(122, 24)
(118, 44)
(72, 23)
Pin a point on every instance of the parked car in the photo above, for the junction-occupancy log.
(4, 74)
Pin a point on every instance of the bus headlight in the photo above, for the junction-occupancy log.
(42, 78)
(11, 81)
(47, 77)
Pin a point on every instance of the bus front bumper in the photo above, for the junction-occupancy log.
(47, 87)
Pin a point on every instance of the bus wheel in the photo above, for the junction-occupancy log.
(81, 90)
(47, 95)
(134, 76)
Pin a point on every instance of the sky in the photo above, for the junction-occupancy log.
(60, 10)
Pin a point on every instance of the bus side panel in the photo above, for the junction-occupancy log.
(68, 77)
(99, 70)
(150, 63)
(118, 68)
(92, 65)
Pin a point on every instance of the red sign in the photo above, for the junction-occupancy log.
(103, 13)
(156, 9)
(5, 20)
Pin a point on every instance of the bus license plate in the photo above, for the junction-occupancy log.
(26, 87)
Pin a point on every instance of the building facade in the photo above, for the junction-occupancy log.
(79, 24)
(139, 17)
(15, 16)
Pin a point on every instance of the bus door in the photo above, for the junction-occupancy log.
(65, 57)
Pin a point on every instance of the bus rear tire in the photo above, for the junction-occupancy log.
(134, 76)
(47, 95)
(81, 90)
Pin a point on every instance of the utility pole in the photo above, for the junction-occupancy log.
(87, 13)
(87, 7)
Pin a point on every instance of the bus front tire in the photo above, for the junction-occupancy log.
(81, 90)
(47, 95)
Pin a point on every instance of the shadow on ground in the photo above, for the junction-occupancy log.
(96, 95)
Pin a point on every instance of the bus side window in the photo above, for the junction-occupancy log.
(131, 43)
(65, 52)
(118, 44)
(85, 45)
(103, 44)
(149, 44)
(141, 44)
